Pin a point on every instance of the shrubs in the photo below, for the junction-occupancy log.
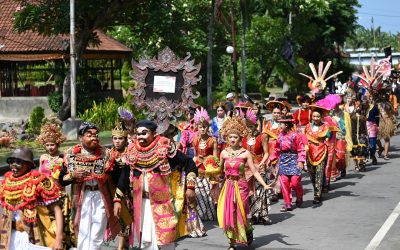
(35, 120)
(103, 114)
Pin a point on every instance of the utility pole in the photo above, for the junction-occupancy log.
(72, 59)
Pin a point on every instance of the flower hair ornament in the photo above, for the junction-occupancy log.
(201, 117)
(372, 79)
(235, 125)
(51, 132)
(318, 83)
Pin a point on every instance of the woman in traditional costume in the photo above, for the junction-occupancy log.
(207, 192)
(272, 129)
(317, 133)
(50, 165)
(291, 153)
(216, 125)
(233, 205)
(22, 193)
(257, 144)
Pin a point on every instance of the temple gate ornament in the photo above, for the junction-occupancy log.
(164, 86)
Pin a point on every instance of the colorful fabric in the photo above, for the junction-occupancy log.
(289, 182)
(317, 178)
(372, 129)
(232, 217)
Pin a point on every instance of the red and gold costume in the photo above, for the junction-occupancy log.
(22, 199)
(302, 117)
(317, 154)
(272, 129)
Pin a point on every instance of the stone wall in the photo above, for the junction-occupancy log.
(19, 108)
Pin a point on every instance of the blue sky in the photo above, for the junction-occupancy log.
(386, 13)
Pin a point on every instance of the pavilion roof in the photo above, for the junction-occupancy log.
(31, 46)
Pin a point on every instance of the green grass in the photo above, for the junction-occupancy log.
(105, 138)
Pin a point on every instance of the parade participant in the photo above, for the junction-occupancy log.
(359, 136)
(232, 205)
(372, 127)
(187, 133)
(129, 121)
(216, 125)
(51, 138)
(86, 167)
(291, 153)
(152, 158)
(22, 192)
(116, 156)
(286, 106)
(371, 81)
(257, 144)
(302, 116)
(50, 165)
(230, 97)
(256, 108)
(207, 189)
(317, 133)
(349, 106)
(340, 143)
(272, 129)
(387, 123)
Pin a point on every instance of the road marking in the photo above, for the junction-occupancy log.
(376, 241)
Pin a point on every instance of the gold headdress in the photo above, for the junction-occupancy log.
(51, 132)
(318, 83)
(119, 130)
(235, 125)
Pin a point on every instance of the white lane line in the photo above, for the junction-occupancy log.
(376, 241)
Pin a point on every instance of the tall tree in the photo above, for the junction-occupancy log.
(50, 18)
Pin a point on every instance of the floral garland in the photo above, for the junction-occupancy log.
(21, 193)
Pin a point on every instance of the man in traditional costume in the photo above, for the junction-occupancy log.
(152, 158)
(22, 192)
(86, 167)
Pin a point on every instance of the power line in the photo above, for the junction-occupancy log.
(371, 14)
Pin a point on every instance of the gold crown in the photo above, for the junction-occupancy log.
(119, 130)
(235, 125)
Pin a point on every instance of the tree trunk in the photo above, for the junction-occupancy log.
(244, 24)
(65, 111)
(209, 56)
(81, 43)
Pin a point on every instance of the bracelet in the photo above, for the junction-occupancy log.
(115, 200)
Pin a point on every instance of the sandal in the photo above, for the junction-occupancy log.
(386, 157)
(286, 209)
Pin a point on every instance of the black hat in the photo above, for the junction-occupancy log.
(147, 124)
(22, 153)
(85, 126)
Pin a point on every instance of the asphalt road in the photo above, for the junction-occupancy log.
(350, 216)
